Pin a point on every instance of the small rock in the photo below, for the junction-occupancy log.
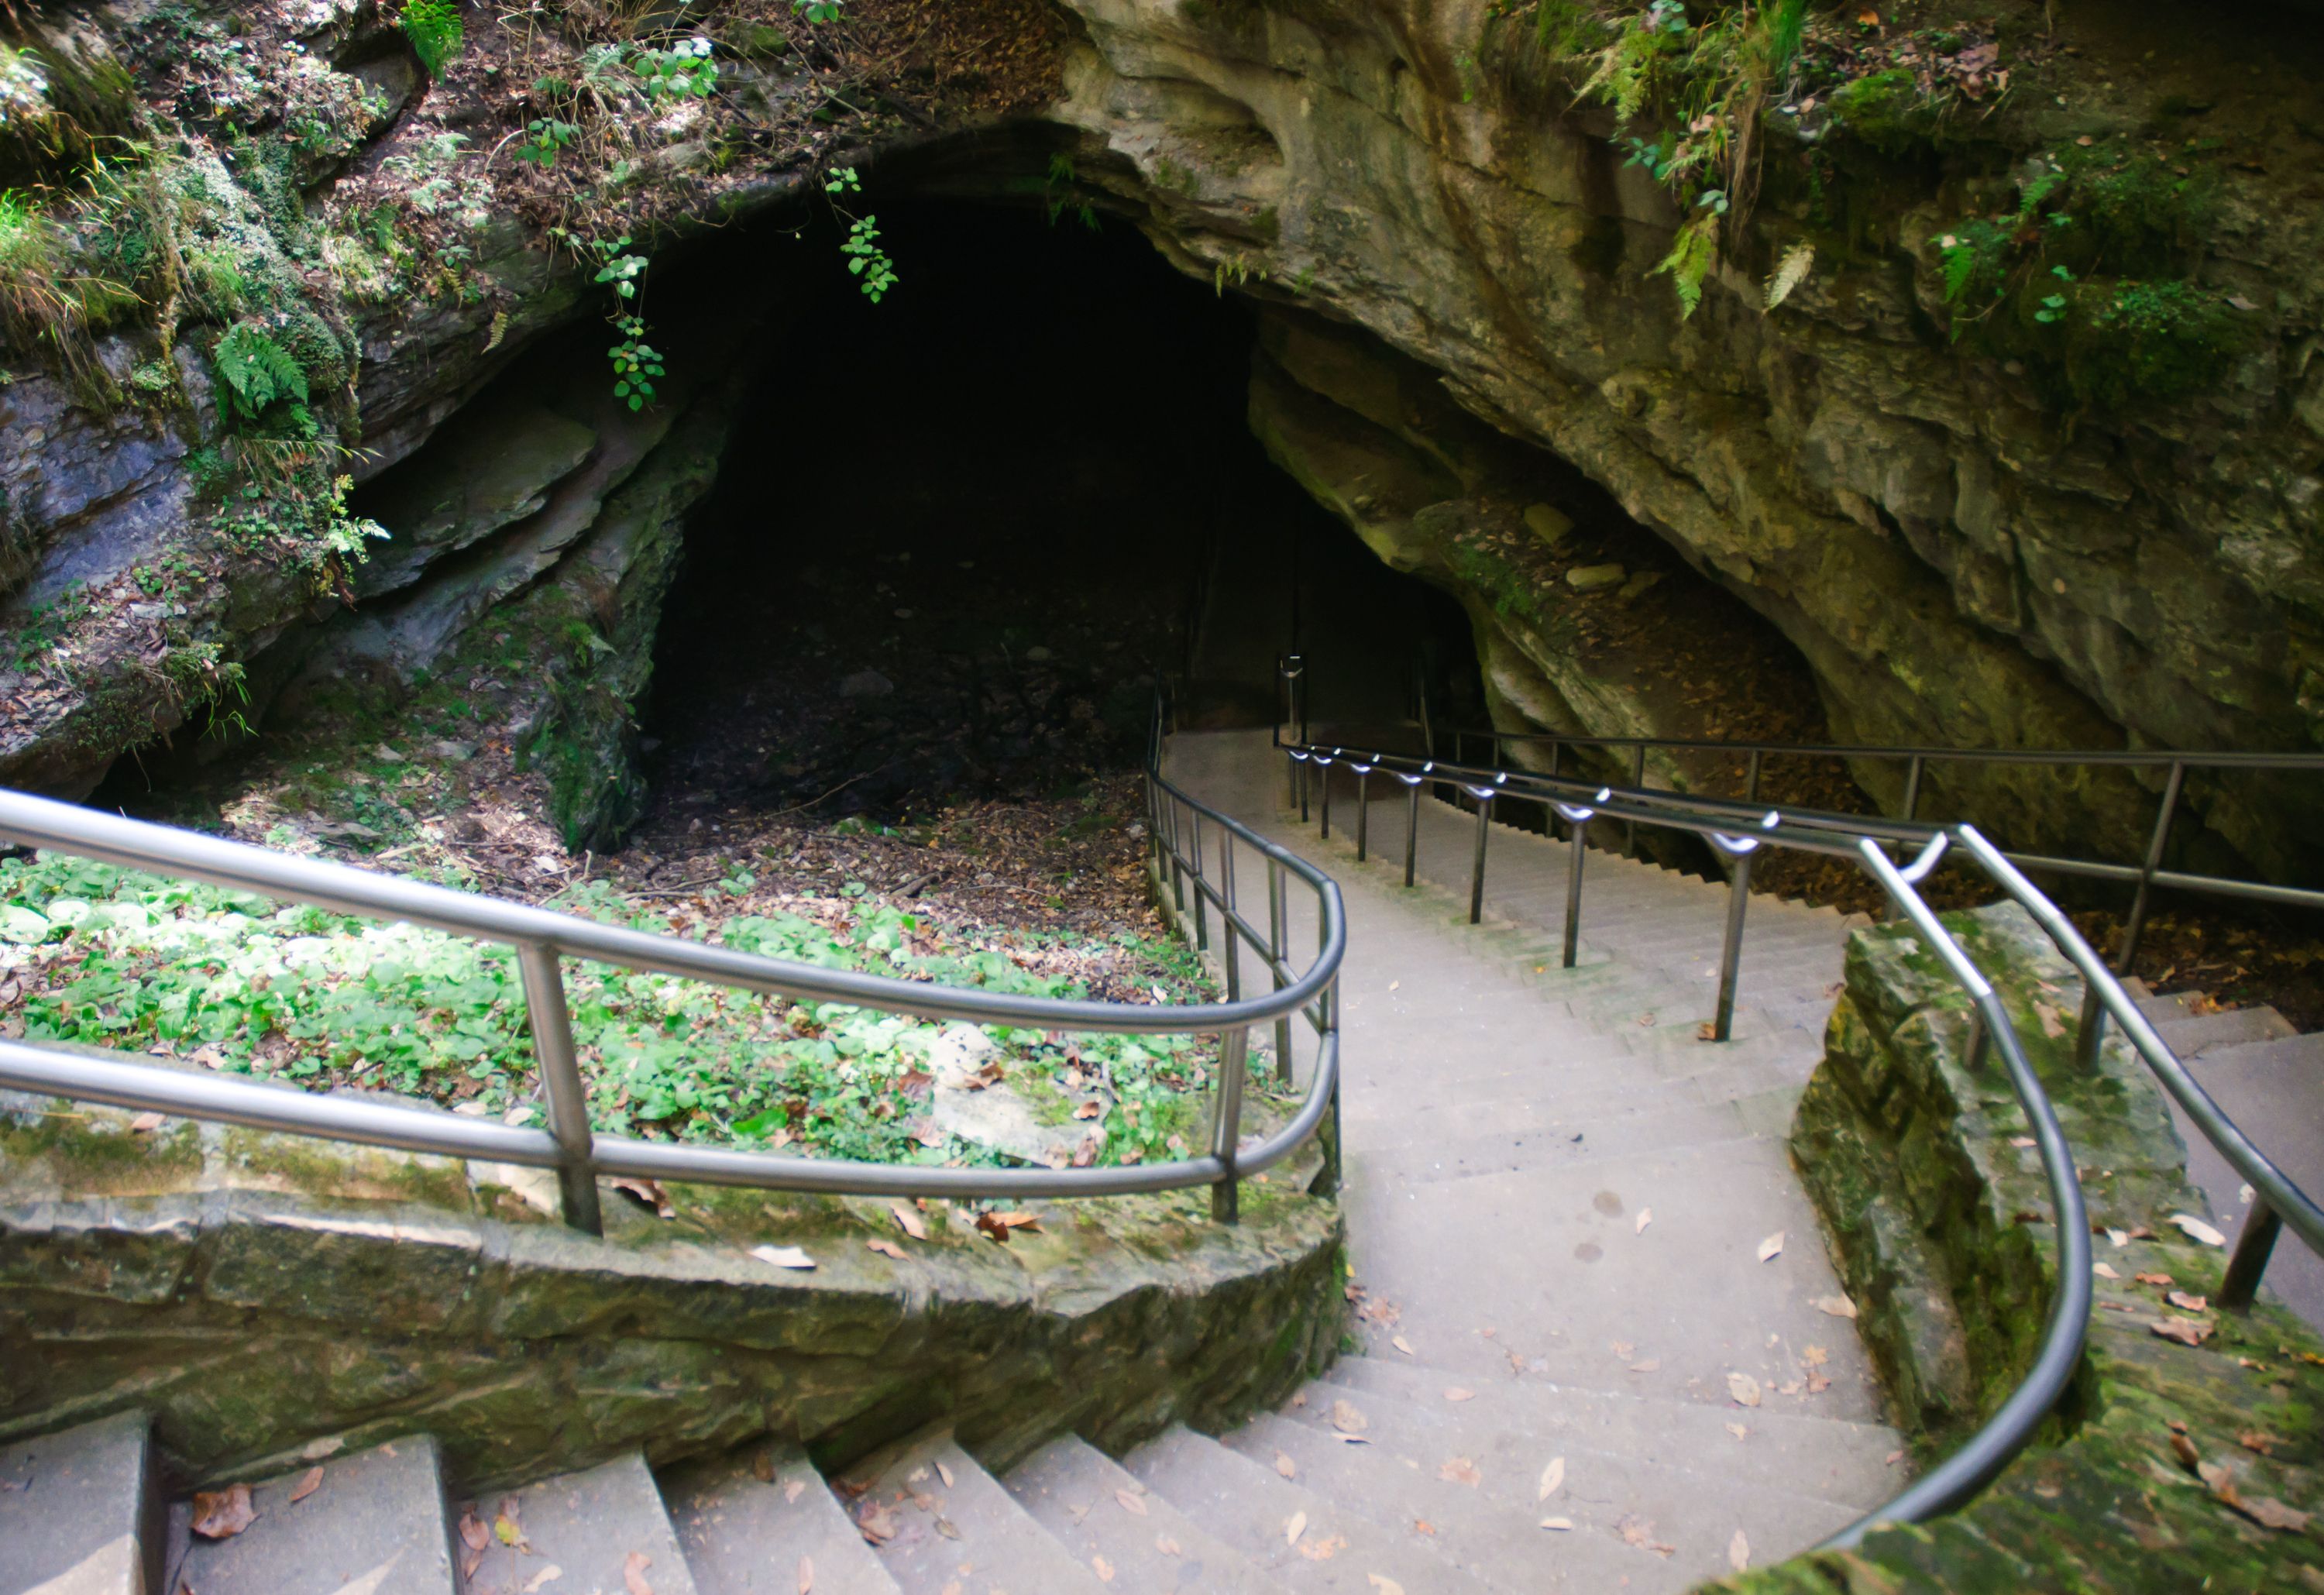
(1638, 583)
(457, 752)
(866, 684)
(1589, 579)
(1547, 522)
(1038, 654)
(386, 755)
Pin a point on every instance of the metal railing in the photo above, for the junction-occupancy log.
(1739, 830)
(542, 939)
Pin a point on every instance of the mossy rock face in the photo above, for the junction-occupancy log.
(260, 1292)
(1939, 1218)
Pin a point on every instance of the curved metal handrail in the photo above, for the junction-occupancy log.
(543, 937)
(1973, 1464)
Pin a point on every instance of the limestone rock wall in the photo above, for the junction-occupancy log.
(1954, 562)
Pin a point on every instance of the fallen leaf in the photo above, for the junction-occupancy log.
(762, 1467)
(793, 1488)
(505, 1528)
(648, 1193)
(1771, 1246)
(2191, 1303)
(552, 1572)
(807, 1575)
(1386, 1585)
(2104, 1271)
(309, 1483)
(947, 1527)
(1457, 1394)
(1834, 1306)
(1166, 1545)
(1104, 1568)
(1744, 1389)
(1815, 1355)
(221, 1514)
(472, 1532)
(1421, 1526)
(1460, 1470)
(1403, 1345)
(783, 1256)
(1091, 1108)
(633, 1573)
(2258, 1440)
(1293, 1527)
(2152, 1278)
(1739, 1552)
(2184, 1450)
(1738, 1430)
(2197, 1230)
(1347, 1420)
(1286, 1466)
(145, 1123)
(1551, 1477)
(2187, 1331)
(876, 1523)
(1130, 1503)
(1562, 1525)
(945, 1473)
(1323, 1549)
(2022, 1141)
(908, 1219)
(1648, 1366)
(1645, 1217)
(2117, 1239)
(886, 1248)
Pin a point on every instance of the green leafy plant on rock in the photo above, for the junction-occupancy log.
(256, 373)
(433, 29)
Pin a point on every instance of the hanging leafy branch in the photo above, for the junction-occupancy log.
(865, 257)
(434, 30)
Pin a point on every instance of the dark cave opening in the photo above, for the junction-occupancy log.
(955, 534)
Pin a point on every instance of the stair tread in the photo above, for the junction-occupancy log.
(2192, 1036)
(948, 1524)
(74, 1513)
(743, 1533)
(375, 1523)
(1077, 1493)
(1250, 1508)
(589, 1523)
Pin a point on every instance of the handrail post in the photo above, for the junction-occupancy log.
(1177, 861)
(2093, 1025)
(1201, 910)
(1477, 866)
(1730, 957)
(1363, 813)
(1751, 785)
(1306, 780)
(1913, 788)
(2252, 1248)
(1227, 915)
(1411, 829)
(1325, 808)
(1637, 784)
(1276, 915)
(560, 1080)
(1555, 749)
(1226, 1124)
(1581, 843)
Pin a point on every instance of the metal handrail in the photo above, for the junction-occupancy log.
(542, 938)
(2280, 1201)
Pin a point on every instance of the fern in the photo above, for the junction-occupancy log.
(257, 371)
(1692, 253)
(1790, 273)
(433, 28)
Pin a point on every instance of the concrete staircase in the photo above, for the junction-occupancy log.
(1597, 1344)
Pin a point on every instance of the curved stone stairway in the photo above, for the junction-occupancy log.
(1571, 1367)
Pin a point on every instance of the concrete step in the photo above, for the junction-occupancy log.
(761, 1521)
(597, 1527)
(1481, 1489)
(1335, 1547)
(79, 1511)
(2275, 1091)
(1641, 1125)
(1856, 1462)
(1552, 1261)
(941, 1522)
(1127, 1535)
(375, 1523)
(2193, 1035)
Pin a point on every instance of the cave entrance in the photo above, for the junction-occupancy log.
(954, 534)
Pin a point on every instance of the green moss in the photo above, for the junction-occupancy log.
(1888, 112)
